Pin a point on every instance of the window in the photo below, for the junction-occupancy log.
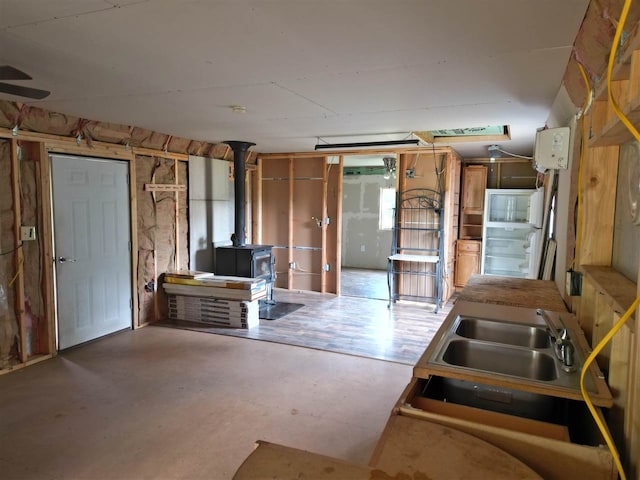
(387, 205)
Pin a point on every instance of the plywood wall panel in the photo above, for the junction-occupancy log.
(307, 203)
(308, 168)
(306, 275)
(275, 168)
(281, 256)
(275, 212)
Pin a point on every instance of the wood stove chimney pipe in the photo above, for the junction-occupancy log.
(239, 197)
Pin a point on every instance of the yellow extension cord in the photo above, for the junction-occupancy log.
(607, 338)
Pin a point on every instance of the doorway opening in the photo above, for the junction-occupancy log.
(368, 200)
(92, 239)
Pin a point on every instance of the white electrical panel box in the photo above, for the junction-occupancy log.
(552, 148)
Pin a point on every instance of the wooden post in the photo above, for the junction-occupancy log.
(632, 413)
(339, 223)
(248, 213)
(133, 219)
(257, 202)
(323, 254)
(599, 177)
(18, 282)
(46, 236)
(176, 230)
(290, 223)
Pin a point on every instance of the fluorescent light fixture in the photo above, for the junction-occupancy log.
(384, 143)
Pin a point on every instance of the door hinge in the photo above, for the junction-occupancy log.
(130, 304)
(129, 246)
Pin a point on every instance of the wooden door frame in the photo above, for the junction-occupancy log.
(47, 189)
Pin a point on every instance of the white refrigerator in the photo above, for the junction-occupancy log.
(511, 232)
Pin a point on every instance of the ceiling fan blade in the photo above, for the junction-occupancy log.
(7, 72)
(24, 91)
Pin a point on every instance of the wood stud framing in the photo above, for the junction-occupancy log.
(18, 280)
(604, 296)
(46, 230)
(41, 145)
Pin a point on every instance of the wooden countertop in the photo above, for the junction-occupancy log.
(513, 292)
(415, 449)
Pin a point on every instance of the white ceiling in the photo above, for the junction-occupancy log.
(302, 68)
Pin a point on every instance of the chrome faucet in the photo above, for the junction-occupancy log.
(562, 344)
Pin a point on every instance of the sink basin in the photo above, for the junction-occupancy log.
(501, 359)
(501, 332)
(504, 346)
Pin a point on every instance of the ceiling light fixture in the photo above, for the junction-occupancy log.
(494, 152)
(384, 143)
(389, 167)
(238, 109)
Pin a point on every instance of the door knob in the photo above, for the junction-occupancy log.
(65, 260)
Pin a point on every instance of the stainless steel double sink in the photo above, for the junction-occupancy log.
(504, 358)
(513, 349)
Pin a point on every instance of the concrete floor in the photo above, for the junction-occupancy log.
(164, 403)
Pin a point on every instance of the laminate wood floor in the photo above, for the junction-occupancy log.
(362, 282)
(350, 325)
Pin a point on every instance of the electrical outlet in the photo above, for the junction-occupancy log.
(27, 233)
(573, 283)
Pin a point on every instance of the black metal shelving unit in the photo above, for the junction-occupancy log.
(414, 267)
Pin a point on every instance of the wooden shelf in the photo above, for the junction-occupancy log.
(613, 131)
(619, 291)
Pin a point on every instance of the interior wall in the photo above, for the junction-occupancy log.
(211, 210)
(8, 321)
(156, 213)
(30, 208)
(563, 115)
(626, 235)
(363, 244)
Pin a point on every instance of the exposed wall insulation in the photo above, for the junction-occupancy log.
(36, 119)
(593, 43)
(9, 349)
(157, 231)
(31, 205)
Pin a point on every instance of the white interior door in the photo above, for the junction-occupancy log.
(92, 253)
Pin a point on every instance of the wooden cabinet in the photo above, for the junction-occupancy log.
(474, 183)
(467, 260)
